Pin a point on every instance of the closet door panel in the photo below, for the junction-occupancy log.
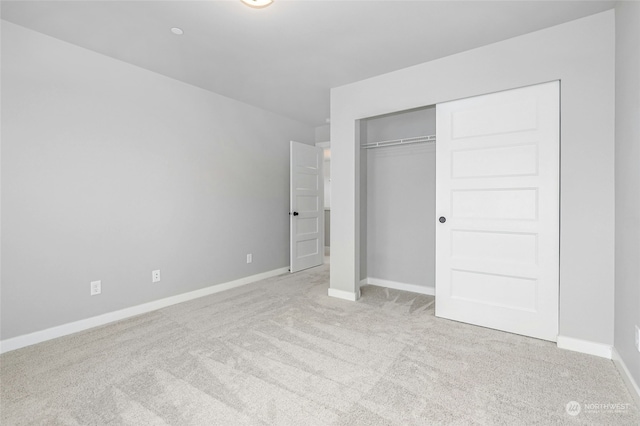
(497, 192)
(495, 247)
(495, 203)
(520, 160)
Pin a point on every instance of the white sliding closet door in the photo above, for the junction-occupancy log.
(497, 204)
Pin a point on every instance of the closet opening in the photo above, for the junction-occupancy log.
(397, 200)
(494, 249)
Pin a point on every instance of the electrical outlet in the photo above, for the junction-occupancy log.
(155, 276)
(96, 287)
(249, 258)
(638, 338)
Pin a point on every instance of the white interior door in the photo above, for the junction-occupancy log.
(497, 204)
(307, 206)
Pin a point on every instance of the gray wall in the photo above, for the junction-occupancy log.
(327, 228)
(627, 301)
(400, 200)
(110, 171)
(322, 133)
(581, 54)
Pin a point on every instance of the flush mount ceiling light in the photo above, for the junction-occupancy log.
(257, 4)
(177, 31)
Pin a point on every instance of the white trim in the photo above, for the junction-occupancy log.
(81, 325)
(634, 389)
(413, 288)
(345, 295)
(585, 346)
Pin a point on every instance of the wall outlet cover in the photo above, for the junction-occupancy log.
(96, 287)
(249, 258)
(155, 276)
(638, 338)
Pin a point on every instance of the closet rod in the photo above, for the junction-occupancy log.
(405, 141)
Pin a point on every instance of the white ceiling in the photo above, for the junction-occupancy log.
(285, 58)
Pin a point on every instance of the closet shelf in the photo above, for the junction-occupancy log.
(406, 141)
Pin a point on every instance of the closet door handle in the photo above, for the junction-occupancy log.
(296, 213)
(442, 219)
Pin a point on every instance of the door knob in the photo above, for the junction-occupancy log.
(442, 219)
(296, 213)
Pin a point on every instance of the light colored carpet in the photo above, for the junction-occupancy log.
(281, 352)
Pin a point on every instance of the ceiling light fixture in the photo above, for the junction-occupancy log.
(177, 31)
(257, 4)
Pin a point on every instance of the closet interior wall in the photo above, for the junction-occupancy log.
(397, 204)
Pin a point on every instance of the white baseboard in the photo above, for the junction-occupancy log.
(413, 288)
(346, 295)
(81, 325)
(585, 346)
(632, 385)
